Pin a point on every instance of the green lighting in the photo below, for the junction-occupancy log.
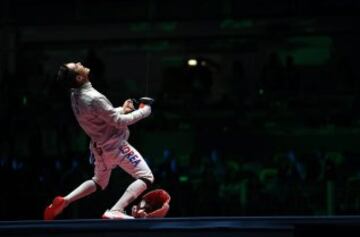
(157, 46)
(173, 61)
(319, 41)
(183, 179)
(236, 24)
(311, 56)
(168, 26)
(140, 26)
(308, 51)
(147, 26)
(24, 100)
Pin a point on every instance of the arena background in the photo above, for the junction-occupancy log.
(257, 103)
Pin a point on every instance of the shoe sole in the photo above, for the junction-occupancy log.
(116, 218)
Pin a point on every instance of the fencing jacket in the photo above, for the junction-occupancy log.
(105, 125)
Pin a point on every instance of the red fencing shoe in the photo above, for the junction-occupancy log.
(55, 208)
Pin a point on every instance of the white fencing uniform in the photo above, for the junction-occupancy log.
(108, 129)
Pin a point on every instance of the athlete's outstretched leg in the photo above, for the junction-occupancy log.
(60, 203)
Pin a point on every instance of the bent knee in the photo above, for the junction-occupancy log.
(102, 184)
(151, 178)
(148, 179)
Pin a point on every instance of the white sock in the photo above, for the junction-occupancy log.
(86, 188)
(132, 192)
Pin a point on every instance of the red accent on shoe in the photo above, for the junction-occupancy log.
(55, 208)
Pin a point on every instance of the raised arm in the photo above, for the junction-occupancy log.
(116, 116)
